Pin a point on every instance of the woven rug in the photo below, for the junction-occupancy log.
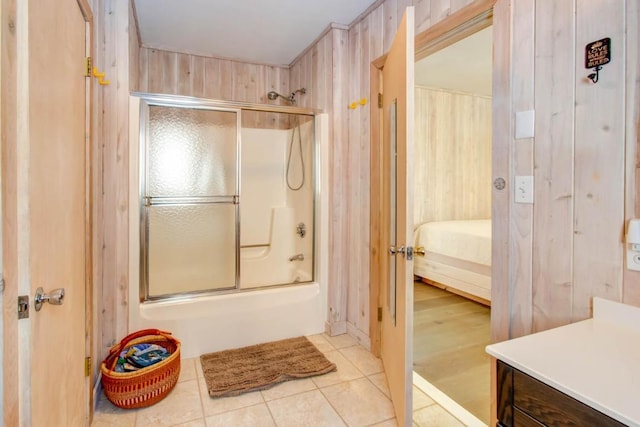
(258, 367)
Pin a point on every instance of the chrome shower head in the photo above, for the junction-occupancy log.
(273, 95)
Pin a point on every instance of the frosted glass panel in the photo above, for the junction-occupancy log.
(191, 152)
(191, 248)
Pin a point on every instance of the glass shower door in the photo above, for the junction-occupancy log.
(190, 195)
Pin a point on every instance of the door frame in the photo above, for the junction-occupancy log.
(12, 125)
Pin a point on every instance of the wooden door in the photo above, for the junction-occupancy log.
(53, 228)
(396, 290)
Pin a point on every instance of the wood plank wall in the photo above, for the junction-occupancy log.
(111, 120)
(322, 70)
(568, 246)
(452, 156)
(173, 73)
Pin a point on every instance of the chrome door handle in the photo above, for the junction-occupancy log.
(56, 297)
(393, 250)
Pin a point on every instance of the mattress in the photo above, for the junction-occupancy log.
(468, 240)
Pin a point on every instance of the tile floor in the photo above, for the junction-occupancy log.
(356, 395)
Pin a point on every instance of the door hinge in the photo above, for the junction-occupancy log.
(88, 66)
(23, 307)
(87, 366)
(379, 100)
(379, 314)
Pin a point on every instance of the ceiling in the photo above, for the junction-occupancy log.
(464, 66)
(260, 31)
(277, 31)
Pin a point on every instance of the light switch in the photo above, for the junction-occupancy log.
(525, 124)
(523, 189)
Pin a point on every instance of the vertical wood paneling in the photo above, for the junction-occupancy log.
(553, 208)
(631, 291)
(423, 15)
(599, 160)
(353, 159)
(338, 280)
(440, 9)
(143, 72)
(192, 75)
(112, 56)
(452, 156)
(502, 129)
(391, 20)
(521, 222)
(361, 199)
(196, 74)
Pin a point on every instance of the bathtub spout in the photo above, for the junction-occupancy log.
(297, 257)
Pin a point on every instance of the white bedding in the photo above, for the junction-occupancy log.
(469, 240)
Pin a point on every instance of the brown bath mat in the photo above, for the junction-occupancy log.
(257, 367)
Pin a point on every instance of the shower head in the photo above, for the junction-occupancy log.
(273, 95)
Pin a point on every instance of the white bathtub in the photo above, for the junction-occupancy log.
(211, 323)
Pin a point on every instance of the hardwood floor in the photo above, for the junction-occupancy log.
(450, 333)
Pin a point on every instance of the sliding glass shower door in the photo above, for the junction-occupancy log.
(190, 196)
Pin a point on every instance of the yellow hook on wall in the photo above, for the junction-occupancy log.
(100, 77)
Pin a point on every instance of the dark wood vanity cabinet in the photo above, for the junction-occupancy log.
(524, 401)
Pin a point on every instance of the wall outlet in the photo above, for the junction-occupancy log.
(523, 189)
(633, 260)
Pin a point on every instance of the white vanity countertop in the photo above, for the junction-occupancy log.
(596, 361)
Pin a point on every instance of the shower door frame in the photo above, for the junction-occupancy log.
(149, 99)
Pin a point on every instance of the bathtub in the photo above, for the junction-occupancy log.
(218, 322)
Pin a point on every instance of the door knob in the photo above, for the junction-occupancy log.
(393, 250)
(419, 251)
(56, 297)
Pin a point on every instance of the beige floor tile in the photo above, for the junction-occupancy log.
(107, 415)
(219, 405)
(388, 423)
(321, 342)
(253, 416)
(198, 364)
(434, 415)
(420, 400)
(341, 341)
(362, 358)
(187, 369)
(181, 405)
(196, 423)
(288, 388)
(380, 381)
(346, 371)
(305, 409)
(359, 402)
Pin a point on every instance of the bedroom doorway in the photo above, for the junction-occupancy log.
(452, 220)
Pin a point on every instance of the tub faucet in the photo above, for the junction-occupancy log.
(297, 257)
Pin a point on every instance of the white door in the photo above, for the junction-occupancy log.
(50, 237)
(396, 289)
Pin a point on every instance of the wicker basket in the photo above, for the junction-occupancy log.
(130, 390)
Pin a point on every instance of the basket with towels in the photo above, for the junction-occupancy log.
(141, 369)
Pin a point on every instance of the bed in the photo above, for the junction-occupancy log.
(457, 257)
